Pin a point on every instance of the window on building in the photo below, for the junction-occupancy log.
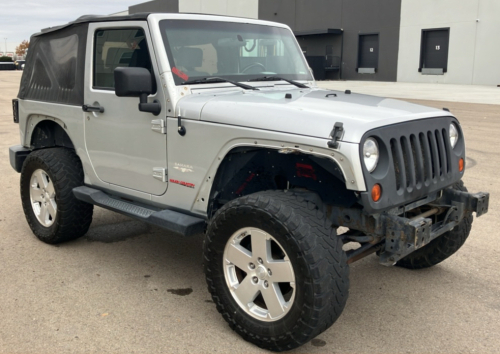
(125, 47)
(434, 51)
(368, 53)
(332, 61)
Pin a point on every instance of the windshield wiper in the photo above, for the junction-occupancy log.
(276, 78)
(208, 80)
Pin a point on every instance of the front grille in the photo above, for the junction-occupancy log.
(420, 159)
(416, 159)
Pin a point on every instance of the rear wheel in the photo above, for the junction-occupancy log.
(53, 213)
(442, 247)
(276, 269)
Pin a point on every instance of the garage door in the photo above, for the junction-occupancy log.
(435, 49)
(368, 51)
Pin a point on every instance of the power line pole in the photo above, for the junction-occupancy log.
(5, 53)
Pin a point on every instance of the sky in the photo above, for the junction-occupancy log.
(19, 19)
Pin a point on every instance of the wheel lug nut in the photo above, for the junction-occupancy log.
(266, 284)
(255, 280)
(269, 272)
(252, 266)
(260, 260)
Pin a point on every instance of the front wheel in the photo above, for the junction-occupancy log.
(276, 269)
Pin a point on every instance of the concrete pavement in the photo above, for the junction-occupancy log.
(129, 288)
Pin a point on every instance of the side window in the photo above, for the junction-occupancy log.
(124, 47)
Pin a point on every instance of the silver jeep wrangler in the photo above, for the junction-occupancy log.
(210, 124)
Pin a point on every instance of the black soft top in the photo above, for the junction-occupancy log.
(55, 64)
(96, 18)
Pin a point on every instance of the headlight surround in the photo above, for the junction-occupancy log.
(370, 154)
(453, 132)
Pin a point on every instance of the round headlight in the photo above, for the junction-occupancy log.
(453, 135)
(370, 154)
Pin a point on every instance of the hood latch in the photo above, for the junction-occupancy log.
(336, 135)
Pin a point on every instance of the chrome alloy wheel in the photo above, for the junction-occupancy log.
(43, 198)
(259, 274)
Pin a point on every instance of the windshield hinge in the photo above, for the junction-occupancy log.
(159, 126)
(336, 134)
(160, 173)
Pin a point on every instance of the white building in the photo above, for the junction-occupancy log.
(473, 30)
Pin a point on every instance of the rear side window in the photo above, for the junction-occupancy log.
(54, 69)
(113, 48)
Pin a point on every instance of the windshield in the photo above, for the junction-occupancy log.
(230, 50)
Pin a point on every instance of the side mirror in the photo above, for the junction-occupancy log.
(136, 82)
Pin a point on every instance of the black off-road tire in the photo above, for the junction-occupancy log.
(65, 170)
(315, 251)
(442, 247)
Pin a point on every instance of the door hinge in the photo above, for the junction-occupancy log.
(159, 126)
(160, 173)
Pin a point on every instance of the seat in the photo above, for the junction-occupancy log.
(141, 59)
(190, 58)
(140, 56)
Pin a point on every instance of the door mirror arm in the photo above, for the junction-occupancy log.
(144, 106)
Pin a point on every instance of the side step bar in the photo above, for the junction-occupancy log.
(174, 221)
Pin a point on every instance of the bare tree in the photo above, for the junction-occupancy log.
(22, 48)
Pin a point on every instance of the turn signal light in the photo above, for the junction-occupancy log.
(376, 192)
(461, 164)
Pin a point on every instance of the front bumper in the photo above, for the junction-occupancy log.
(403, 236)
(396, 236)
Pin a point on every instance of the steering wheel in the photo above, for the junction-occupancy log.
(253, 65)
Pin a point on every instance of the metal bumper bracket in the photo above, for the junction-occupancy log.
(404, 236)
(480, 202)
(472, 202)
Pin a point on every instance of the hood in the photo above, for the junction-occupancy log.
(311, 112)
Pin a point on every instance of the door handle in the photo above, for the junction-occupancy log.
(87, 108)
